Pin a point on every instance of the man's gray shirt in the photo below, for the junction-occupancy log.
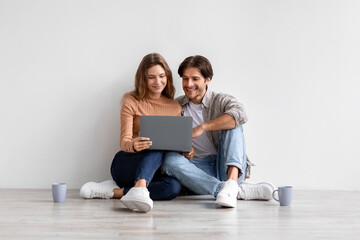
(215, 105)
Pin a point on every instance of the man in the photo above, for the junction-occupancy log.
(218, 163)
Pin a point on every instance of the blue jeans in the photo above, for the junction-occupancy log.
(207, 175)
(127, 168)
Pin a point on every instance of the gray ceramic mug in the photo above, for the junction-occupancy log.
(59, 192)
(285, 195)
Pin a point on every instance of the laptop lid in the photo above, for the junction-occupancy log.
(171, 133)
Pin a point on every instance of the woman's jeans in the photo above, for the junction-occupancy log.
(127, 168)
(207, 175)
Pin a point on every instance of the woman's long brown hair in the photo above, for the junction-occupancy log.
(141, 89)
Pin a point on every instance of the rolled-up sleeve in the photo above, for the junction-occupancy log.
(231, 106)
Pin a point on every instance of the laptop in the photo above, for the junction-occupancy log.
(171, 133)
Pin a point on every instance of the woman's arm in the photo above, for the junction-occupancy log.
(127, 114)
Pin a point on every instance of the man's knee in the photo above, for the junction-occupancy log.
(235, 131)
(171, 159)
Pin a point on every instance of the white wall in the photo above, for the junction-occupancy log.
(64, 66)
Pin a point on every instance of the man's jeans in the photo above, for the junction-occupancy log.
(127, 168)
(207, 175)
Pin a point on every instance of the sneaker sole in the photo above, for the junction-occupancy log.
(137, 204)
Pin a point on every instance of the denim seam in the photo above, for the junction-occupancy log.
(218, 188)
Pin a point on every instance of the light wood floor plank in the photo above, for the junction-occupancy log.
(31, 214)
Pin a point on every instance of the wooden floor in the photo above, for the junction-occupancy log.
(31, 214)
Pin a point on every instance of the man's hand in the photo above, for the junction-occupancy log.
(141, 143)
(189, 155)
(197, 131)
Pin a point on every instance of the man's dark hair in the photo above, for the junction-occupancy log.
(199, 62)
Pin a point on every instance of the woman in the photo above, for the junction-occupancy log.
(135, 170)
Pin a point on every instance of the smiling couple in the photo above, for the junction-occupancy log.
(217, 164)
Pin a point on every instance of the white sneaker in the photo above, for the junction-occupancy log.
(228, 193)
(255, 191)
(98, 190)
(137, 198)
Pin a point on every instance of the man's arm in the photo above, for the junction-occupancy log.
(223, 122)
(229, 105)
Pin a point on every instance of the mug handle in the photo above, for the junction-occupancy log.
(273, 195)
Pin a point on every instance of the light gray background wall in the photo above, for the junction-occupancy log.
(64, 66)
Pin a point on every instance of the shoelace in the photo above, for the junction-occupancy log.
(99, 193)
(253, 192)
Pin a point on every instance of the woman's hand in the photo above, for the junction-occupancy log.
(141, 143)
(189, 155)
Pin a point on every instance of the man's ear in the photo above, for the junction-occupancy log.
(207, 81)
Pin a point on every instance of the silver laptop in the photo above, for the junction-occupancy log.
(171, 133)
